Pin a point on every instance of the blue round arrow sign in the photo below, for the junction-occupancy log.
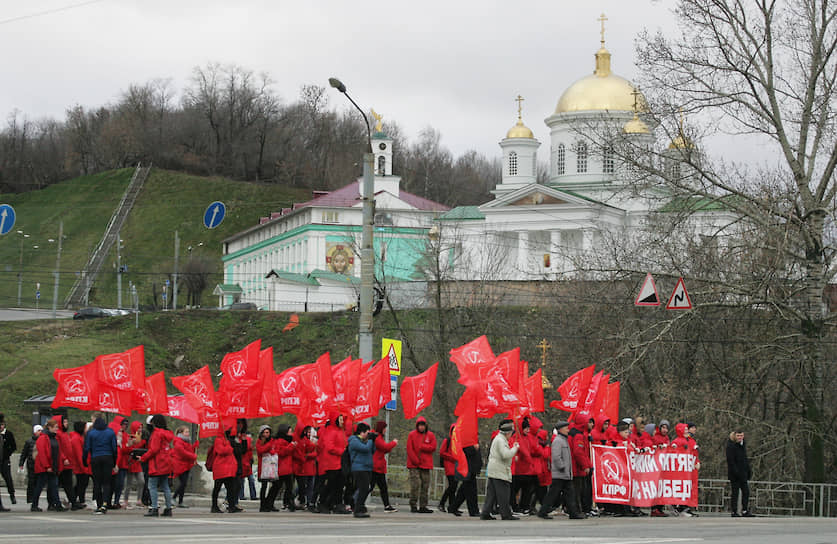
(214, 214)
(7, 218)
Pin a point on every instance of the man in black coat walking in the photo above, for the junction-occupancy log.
(739, 472)
(7, 447)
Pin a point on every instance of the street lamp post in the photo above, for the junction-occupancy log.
(23, 237)
(57, 271)
(367, 255)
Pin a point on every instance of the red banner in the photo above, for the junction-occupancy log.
(574, 390)
(417, 391)
(663, 476)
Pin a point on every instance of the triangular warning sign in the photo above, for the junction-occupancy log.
(393, 360)
(679, 298)
(648, 294)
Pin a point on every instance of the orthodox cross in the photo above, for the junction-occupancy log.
(519, 101)
(602, 20)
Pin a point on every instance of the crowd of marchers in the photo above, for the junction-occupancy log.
(333, 468)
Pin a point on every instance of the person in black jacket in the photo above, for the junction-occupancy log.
(467, 491)
(7, 447)
(28, 461)
(739, 472)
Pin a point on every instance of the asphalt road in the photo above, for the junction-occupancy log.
(198, 525)
(23, 314)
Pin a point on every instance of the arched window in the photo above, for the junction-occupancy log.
(382, 162)
(608, 164)
(561, 160)
(581, 158)
(512, 163)
(672, 168)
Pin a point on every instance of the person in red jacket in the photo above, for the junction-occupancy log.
(528, 471)
(224, 469)
(247, 468)
(47, 466)
(599, 433)
(284, 446)
(379, 465)
(183, 458)
(66, 466)
(158, 458)
(579, 439)
(119, 425)
(421, 445)
(305, 469)
(661, 435)
(81, 470)
(545, 471)
(449, 464)
(134, 477)
(331, 446)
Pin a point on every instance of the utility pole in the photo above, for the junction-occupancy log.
(57, 270)
(174, 282)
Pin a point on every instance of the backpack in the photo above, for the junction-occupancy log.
(210, 458)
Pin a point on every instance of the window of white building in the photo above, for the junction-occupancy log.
(581, 157)
(561, 158)
(512, 163)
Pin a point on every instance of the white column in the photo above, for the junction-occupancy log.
(556, 253)
(523, 252)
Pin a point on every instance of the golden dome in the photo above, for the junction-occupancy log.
(681, 142)
(520, 130)
(636, 126)
(601, 90)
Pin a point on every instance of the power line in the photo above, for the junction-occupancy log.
(48, 12)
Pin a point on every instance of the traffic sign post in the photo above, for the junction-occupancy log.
(7, 218)
(391, 351)
(679, 299)
(214, 214)
(648, 295)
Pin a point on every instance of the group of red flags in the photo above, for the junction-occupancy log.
(493, 385)
(249, 388)
(589, 391)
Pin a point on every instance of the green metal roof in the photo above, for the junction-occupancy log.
(229, 288)
(461, 213)
(312, 277)
(293, 277)
(327, 275)
(697, 204)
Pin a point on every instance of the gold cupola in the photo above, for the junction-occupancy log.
(519, 130)
(636, 125)
(681, 141)
(602, 90)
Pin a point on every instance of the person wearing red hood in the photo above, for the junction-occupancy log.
(133, 468)
(66, 467)
(545, 474)
(183, 458)
(599, 433)
(332, 444)
(80, 468)
(284, 446)
(579, 438)
(158, 458)
(379, 465)
(119, 426)
(525, 469)
(449, 464)
(305, 465)
(421, 444)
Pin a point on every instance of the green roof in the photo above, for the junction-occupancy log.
(229, 288)
(312, 277)
(461, 213)
(697, 203)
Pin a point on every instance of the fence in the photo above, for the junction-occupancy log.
(766, 498)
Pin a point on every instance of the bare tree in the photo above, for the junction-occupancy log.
(765, 69)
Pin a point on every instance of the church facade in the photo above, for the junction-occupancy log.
(306, 258)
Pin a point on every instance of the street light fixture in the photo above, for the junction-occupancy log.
(367, 255)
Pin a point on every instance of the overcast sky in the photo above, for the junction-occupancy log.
(455, 65)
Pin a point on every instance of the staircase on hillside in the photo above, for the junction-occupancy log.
(81, 288)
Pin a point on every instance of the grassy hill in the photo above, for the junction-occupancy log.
(169, 202)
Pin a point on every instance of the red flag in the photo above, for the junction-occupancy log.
(346, 375)
(210, 422)
(198, 389)
(610, 401)
(318, 388)
(475, 353)
(417, 391)
(508, 365)
(368, 399)
(241, 368)
(154, 394)
(593, 392)
(465, 431)
(290, 394)
(77, 387)
(574, 390)
(269, 403)
(178, 408)
(122, 380)
(533, 388)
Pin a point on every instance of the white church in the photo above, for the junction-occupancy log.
(305, 258)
